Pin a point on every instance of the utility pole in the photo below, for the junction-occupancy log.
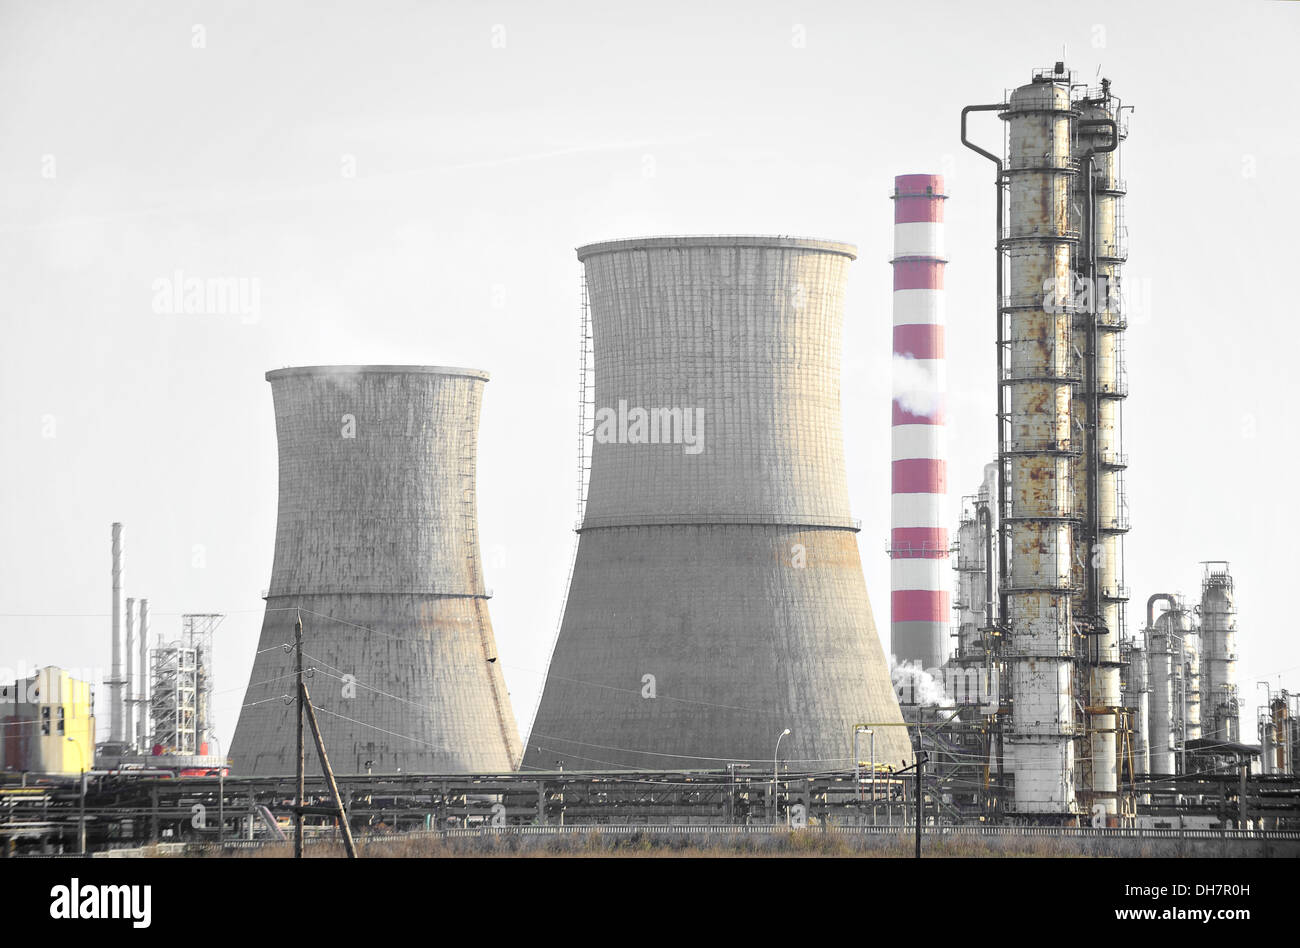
(920, 771)
(298, 803)
(221, 807)
(81, 817)
(329, 772)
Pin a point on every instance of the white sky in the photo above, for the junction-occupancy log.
(127, 154)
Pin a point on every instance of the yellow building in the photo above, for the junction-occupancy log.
(47, 724)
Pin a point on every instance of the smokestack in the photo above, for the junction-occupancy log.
(128, 676)
(142, 680)
(920, 600)
(115, 682)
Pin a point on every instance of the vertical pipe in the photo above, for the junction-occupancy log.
(920, 599)
(115, 681)
(142, 683)
(1096, 493)
(857, 766)
(999, 492)
(128, 674)
(300, 788)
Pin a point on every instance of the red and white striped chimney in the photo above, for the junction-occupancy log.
(919, 538)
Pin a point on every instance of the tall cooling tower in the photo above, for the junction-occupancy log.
(377, 546)
(918, 545)
(717, 596)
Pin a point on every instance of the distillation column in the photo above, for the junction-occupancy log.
(1161, 660)
(1036, 444)
(920, 599)
(1220, 710)
(1098, 327)
(1136, 693)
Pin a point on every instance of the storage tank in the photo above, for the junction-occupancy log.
(717, 595)
(377, 549)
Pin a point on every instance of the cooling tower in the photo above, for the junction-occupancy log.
(717, 595)
(377, 547)
(918, 547)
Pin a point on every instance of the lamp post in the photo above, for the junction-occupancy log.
(872, 733)
(775, 753)
(221, 795)
(857, 764)
(81, 815)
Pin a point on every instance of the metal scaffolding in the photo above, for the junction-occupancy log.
(182, 686)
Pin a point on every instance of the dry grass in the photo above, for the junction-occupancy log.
(797, 843)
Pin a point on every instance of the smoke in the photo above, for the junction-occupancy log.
(918, 384)
(915, 685)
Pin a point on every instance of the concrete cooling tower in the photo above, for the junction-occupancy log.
(377, 545)
(717, 597)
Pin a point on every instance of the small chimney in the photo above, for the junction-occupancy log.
(115, 682)
(128, 676)
(142, 680)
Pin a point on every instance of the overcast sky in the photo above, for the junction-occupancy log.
(404, 182)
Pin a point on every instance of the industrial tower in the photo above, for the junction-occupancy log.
(918, 543)
(377, 549)
(1061, 384)
(717, 595)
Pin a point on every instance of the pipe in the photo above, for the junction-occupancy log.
(1001, 401)
(1151, 602)
(115, 682)
(1094, 400)
(1001, 342)
(142, 686)
(985, 520)
(128, 675)
(992, 107)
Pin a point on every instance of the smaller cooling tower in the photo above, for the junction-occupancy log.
(377, 547)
